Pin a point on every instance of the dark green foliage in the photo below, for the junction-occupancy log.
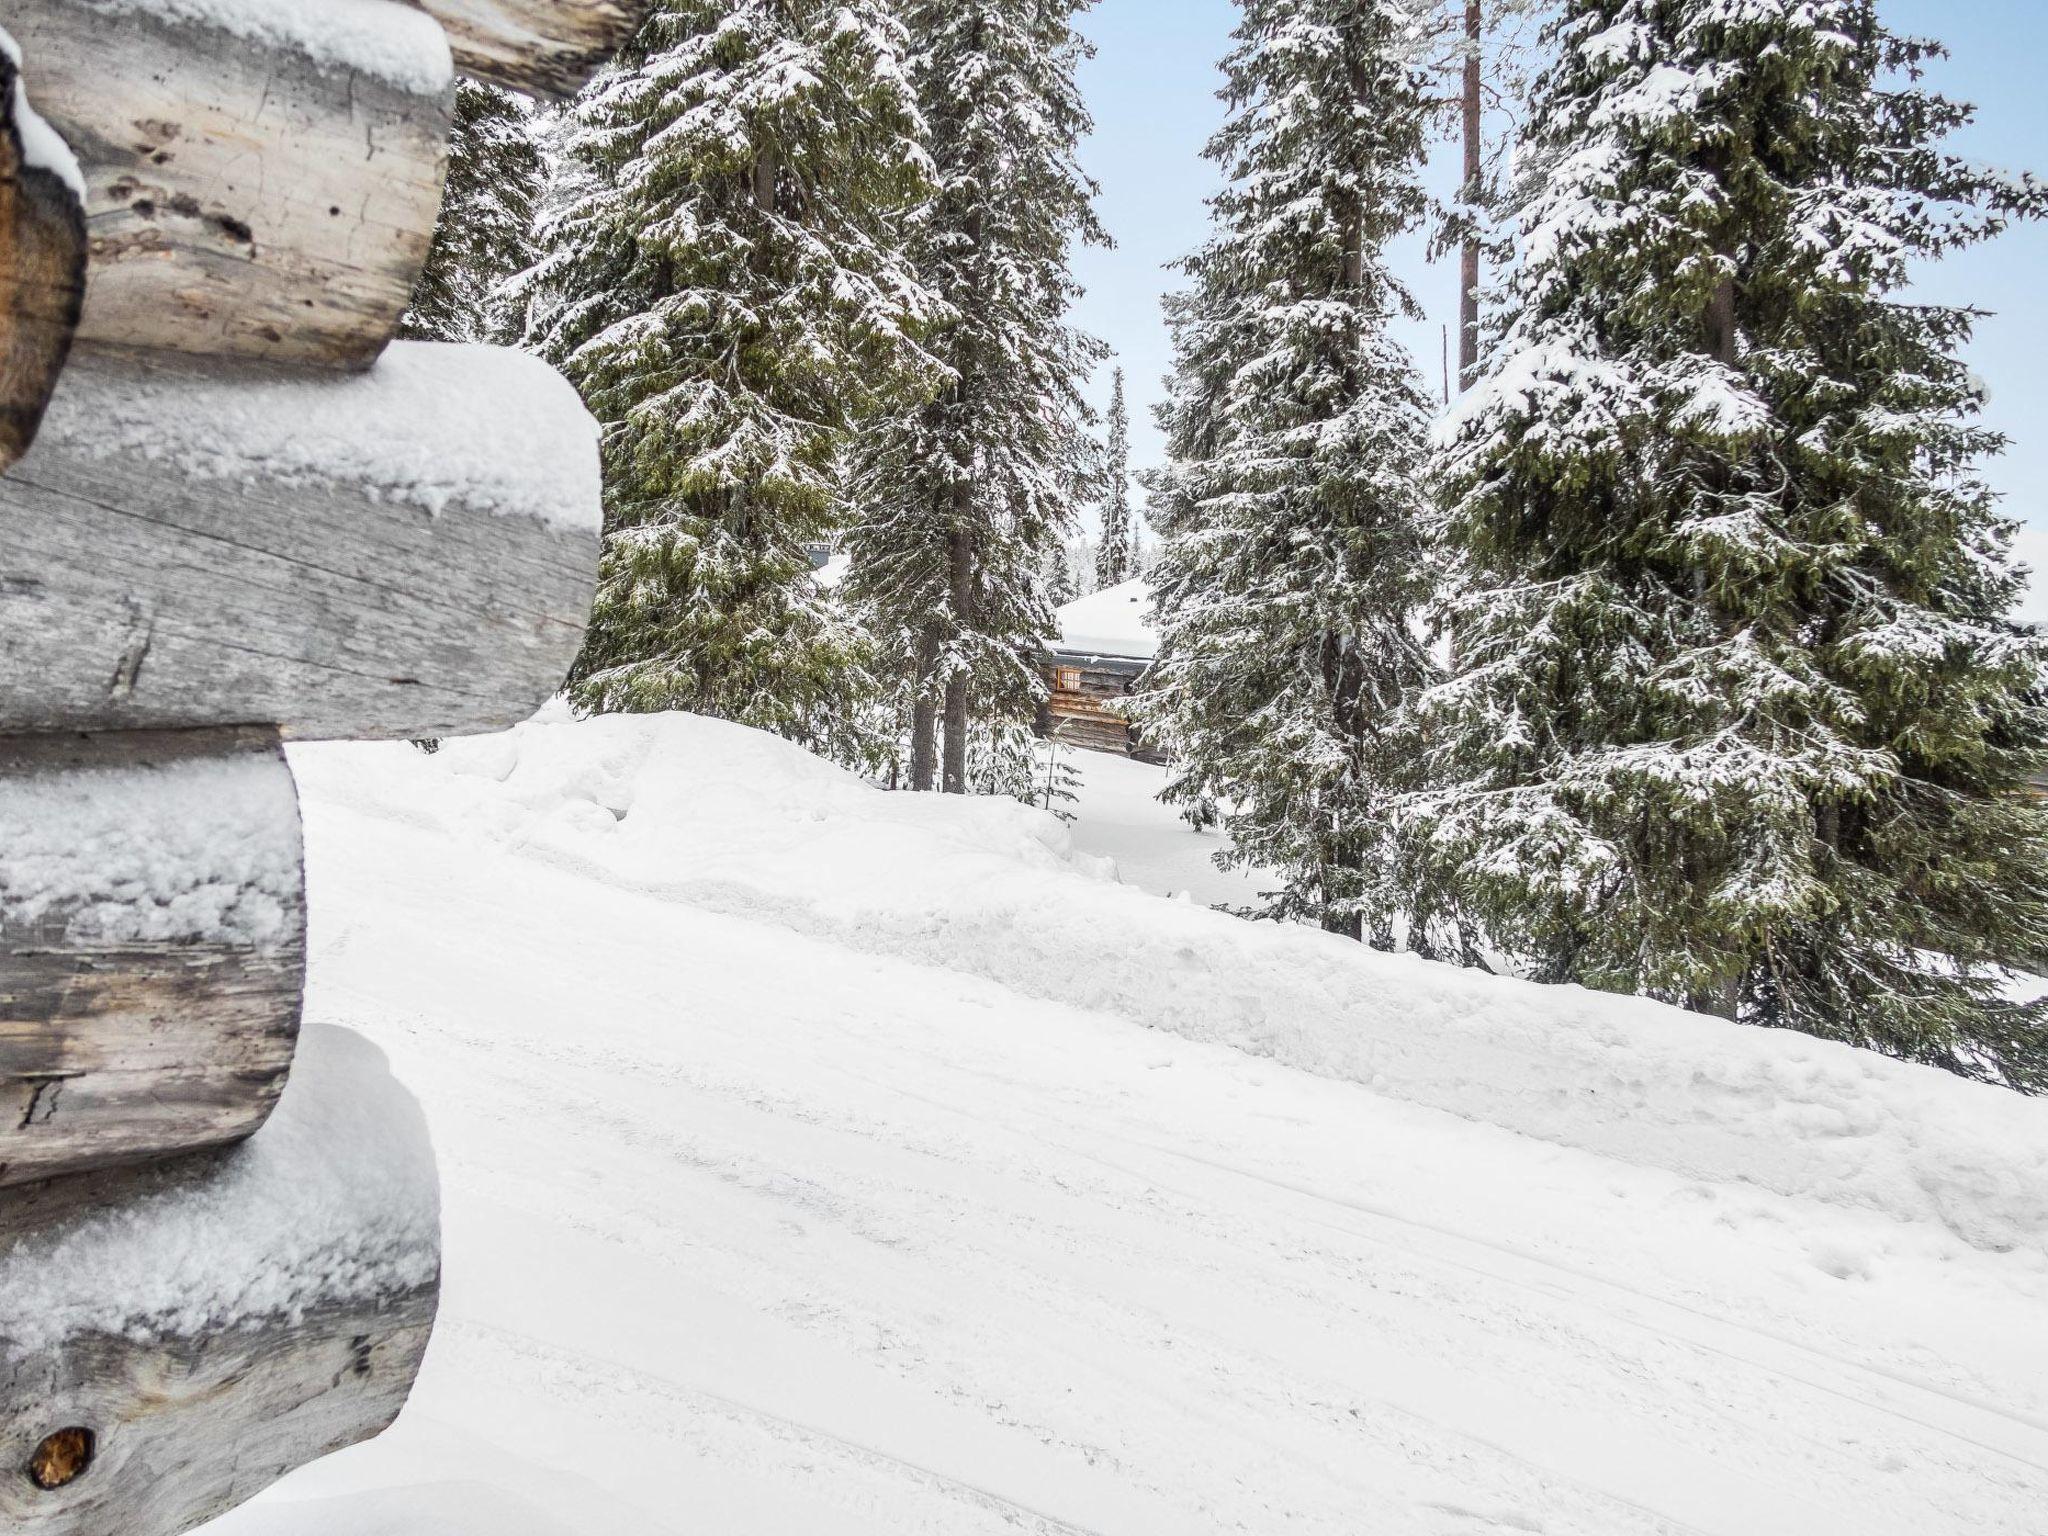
(485, 235)
(1741, 721)
(724, 282)
(1292, 505)
(964, 501)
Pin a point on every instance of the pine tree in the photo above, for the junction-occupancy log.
(724, 280)
(1115, 560)
(485, 235)
(963, 499)
(1292, 505)
(1741, 722)
(1060, 586)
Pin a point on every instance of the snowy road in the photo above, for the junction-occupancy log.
(750, 1234)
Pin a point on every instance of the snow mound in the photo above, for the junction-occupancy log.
(336, 1199)
(723, 818)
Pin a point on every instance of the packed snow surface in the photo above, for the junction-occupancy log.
(431, 426)
(334, 1200)
(395, 43)
(41, 147)
(828, 1161)
(1117, 621)
(177, 853)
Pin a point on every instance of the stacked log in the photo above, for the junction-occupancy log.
(179, 1337)
(233, 514)
(540, 47)
(152, 945)
(197, 543)
(257, 183)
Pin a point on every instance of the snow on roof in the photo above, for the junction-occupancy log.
(431, 425)
(1117, 621)
(335, 1200)
(834, 571)
(395, 43)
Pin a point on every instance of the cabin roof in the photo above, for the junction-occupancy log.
(1113, 624)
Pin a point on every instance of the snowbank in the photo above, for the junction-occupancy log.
(1117, 621)
(733, 820)
(335, 1200)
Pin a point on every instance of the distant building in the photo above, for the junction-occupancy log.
(1105, 647)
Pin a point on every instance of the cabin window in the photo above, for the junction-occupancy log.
(1067, 679)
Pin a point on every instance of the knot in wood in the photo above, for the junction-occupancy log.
(62, 1459)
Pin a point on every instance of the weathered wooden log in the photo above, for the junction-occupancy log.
(152, 945)
(261, 183)
(408, 552)
(176, 1339)
(42, 260)
(541, 47)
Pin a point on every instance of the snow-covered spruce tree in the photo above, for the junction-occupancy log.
(485, 235)
(1116, 560)
(1740, 720)
(723, 279)
(1060, 586)
(963, 500)
(1292, 505)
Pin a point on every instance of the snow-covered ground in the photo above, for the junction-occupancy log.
(820, 1161)
(1117, 816)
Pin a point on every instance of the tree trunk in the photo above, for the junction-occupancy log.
(924, 716)
(960, 561)
(1475, 172)
(1721, 323)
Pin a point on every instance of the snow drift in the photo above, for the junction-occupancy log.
(729, 819)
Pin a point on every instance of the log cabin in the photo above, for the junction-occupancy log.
(1105, 647)
(232, 514)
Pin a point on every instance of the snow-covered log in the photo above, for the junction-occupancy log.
(261, 179)
(402, 553)
(174, 1340)
(152, 946)
(542, 47)
(42, 259)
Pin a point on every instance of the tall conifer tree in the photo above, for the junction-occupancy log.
(1116, 557)
(964, 500)
(1291, 507)
(485, 235)
(724, 280)
(1741, 721)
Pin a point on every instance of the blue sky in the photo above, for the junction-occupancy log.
(1152, 87)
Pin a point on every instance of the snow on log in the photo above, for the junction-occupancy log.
(42, 259)
(542, 47)
(152, 945)
(407, 552)
(176, 1339)
(261, 179)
